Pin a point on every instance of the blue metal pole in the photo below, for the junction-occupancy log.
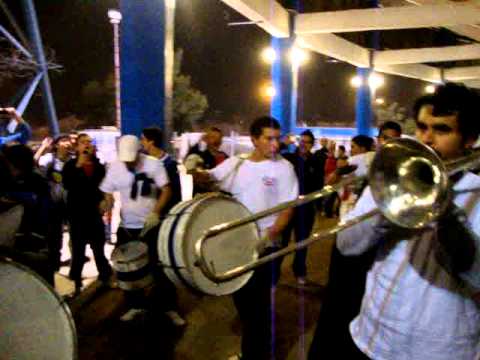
(34, 32)
(22, 105)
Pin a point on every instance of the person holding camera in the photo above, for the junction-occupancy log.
(81, 179)
(13, 129)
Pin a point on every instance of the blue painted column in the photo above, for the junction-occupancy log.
(144, 64)
(284, 104)
(364, 112)
(363, 108)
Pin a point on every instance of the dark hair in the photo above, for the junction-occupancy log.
(215, 129)
(309, 134)
(154, 134)
(363, 141)
(256, 129)
(454, 99)
(389, 125)
(20, 157)
(341, 147)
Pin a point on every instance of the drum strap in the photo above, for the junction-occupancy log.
(233, 173)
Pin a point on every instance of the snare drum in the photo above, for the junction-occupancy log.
(184, 225)
(132, 266)
(35, 323)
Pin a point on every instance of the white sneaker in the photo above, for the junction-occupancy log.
(131, 314)
(177, 320)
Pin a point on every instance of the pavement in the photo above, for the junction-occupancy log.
(212, 331)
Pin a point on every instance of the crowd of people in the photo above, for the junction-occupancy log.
(393, 293)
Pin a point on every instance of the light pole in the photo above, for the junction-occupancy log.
(115, 17)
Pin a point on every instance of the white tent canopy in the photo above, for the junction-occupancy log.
(315, 32)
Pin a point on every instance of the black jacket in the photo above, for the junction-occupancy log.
(83, 194)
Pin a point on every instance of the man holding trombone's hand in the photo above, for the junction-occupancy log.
(421, 297)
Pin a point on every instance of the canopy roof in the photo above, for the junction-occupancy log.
(431, 40)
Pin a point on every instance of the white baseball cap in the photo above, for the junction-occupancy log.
(128, 147)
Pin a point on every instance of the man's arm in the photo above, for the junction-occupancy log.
(163, 199)
(153, 219)
(361, 237)
(107, 203)
(274, 232)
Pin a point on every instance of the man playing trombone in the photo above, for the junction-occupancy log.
(419, 300)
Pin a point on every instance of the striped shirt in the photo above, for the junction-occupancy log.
(413, 308)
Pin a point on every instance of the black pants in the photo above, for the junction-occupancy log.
(302, 224)
(57, 220)
(163, 296)
(342, 302)
(253, 303)
(88, 232)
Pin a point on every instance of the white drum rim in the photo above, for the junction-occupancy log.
(176, 267)
(181, 273)
(63, 304)
(163, 241)
(140, 257)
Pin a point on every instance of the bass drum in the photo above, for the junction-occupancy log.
(185, 224)
(35, 322)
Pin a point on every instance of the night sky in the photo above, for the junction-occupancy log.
(223, 61)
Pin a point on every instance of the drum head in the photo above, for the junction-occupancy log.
(223, 252)
(131, 251)
(9, 223)
(34, 322)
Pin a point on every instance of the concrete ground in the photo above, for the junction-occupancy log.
(213, 330)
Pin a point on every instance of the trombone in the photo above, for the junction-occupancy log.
(409, 183)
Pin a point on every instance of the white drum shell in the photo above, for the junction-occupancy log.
(131, 258)
(35, 323)
(184, 225)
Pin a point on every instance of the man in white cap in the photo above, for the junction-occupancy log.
(144, 190)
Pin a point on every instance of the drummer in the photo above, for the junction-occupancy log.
(145, 190)
(422, 293)
(261, 181)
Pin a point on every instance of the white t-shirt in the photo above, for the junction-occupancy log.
(413, 308)
(118, 178)
(362, 161)
(258, 185)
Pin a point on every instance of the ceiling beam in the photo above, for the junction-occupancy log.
(336, 47)
(267, 14)
(462, 73)
(471, 31)
(389, 18)
(473, 83)
(425, 55)
(344, 50)
(413, 71)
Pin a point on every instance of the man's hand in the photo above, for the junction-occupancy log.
(274, 236)
(12, 111)
(152, 220)
(82, 159)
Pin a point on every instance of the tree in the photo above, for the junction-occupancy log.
(189, 104)
(98, 102)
